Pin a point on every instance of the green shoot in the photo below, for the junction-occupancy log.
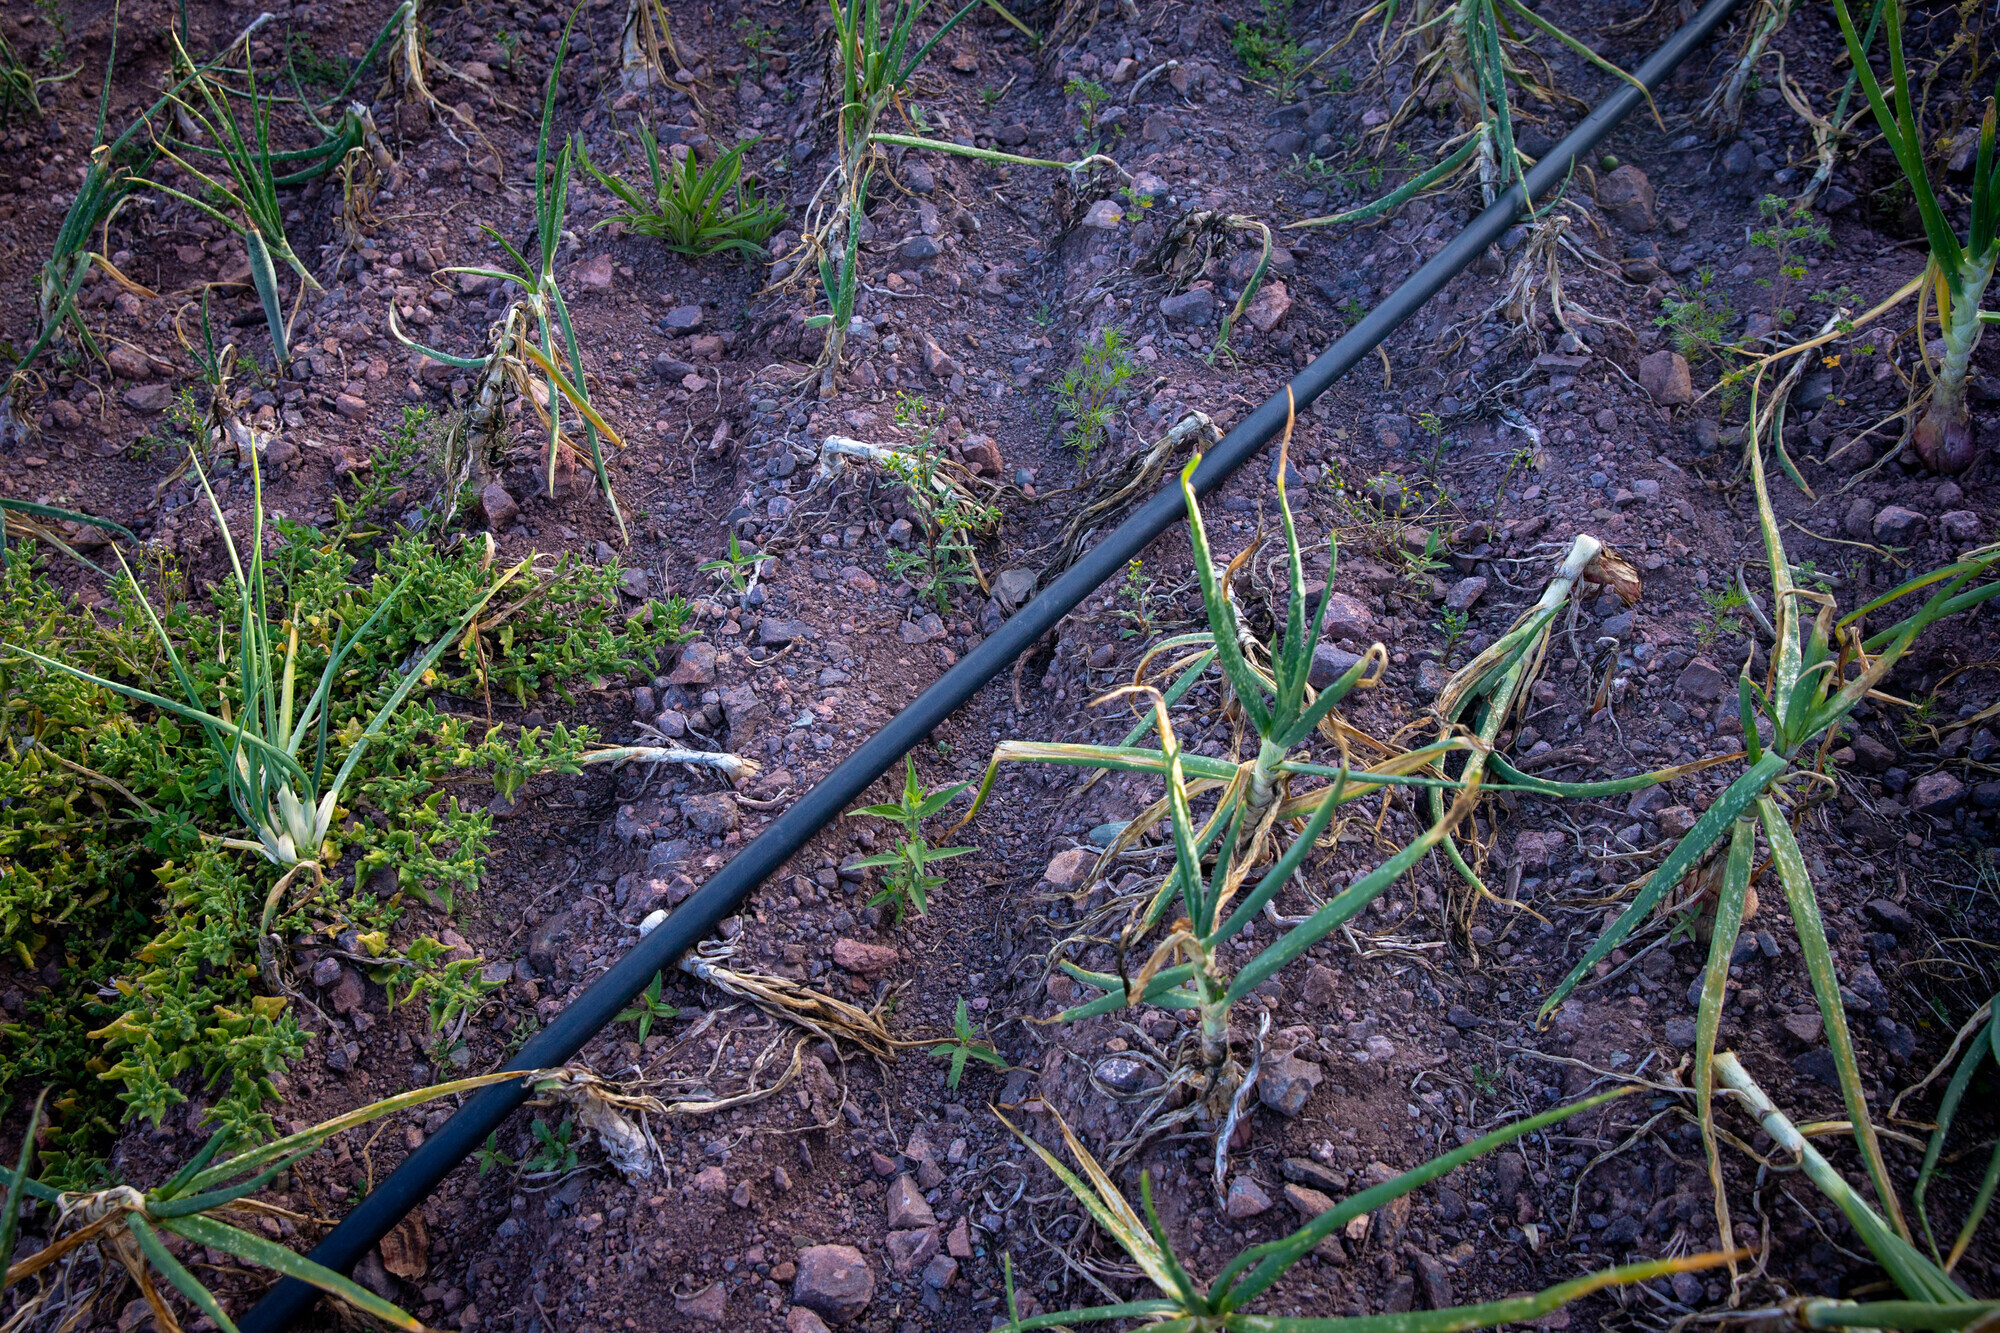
(941, 561)
(909, 881)
(555, 1152)
(735, 570)
(649, 1010)
(964, 1045)
(1181, 1303)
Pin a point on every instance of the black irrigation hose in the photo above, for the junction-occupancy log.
(422, 1170)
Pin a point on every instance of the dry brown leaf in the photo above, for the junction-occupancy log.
(406, 1250)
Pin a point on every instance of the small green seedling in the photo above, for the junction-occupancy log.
(964, 1045)
(909, 881)
(735, 570)
(650, 1009)
(555, 1152)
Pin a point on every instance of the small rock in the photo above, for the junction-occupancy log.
(798, 1319)
(499, 507)
(1960, 525)
(711, 1180)
(1681, 1032)
(1329, 664)
(710, 1305)
(1465, 592)
(775, 633)
(959, 1243)
(1627, 196)
(546, 941)
(1890, 916)
(1348, 618)
(911, 1249)
(866, 959)
(1872, 755)
(1804, 1028)
(1307, 1202)
(1194, 306)
(919, 250)
(1066, 870)
(1664, 375)
(1246, 1200)
(1305, 1171)
(1286, 1083)
(712, 814)
(1104, 215)
(695, 666)
(1701, 680)
(1936, 794)
(1462, 1018)
(1538, 848)
(351, 407)
(1269, 307)
(682, 319)
(907, 1206)
(1432, 1274)
(129, 363)
(941, 1271)
(595, 275)
(1819, 1064)
(346, 995)
(833, 1281)
(148, 397)
(1896, 526)
(1859, 521)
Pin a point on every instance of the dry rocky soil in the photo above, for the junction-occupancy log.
(1487, 440)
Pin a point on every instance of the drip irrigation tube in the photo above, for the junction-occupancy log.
(695, 918)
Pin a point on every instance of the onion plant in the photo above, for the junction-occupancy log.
(1474, 46)
(197, 1205)
(695, 210)
(245, 178)
(1215, 859)
(1819, 669)
(1931, 1298)
(272, 749)
(879, 51)
(1183, 1306)
(1958, 271)
(526, 343)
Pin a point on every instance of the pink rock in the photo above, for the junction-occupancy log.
(866, 959)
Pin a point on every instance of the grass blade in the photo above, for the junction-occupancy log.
(186, 1283)
(270, 1254)
(1728, 922)
(10, 1222)
(1791, 867)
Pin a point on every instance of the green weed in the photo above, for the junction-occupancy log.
(1698, 320)
(941, 560)
(1088, 394)
(1787, 225)
(908, 882)
(964, 1045)
(696, 210)
(1721, 604)
(649, 1010)
(555, 1150)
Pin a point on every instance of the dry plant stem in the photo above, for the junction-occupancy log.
(1517, 657)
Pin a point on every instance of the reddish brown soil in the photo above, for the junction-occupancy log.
(1423, 1034)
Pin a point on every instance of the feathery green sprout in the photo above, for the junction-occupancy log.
(125, 1223)
(1818, 671)
(526, 345)
(1212, 876)
(1182, 1304)
(1958, 271)
(696, 210)
(272, 749)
